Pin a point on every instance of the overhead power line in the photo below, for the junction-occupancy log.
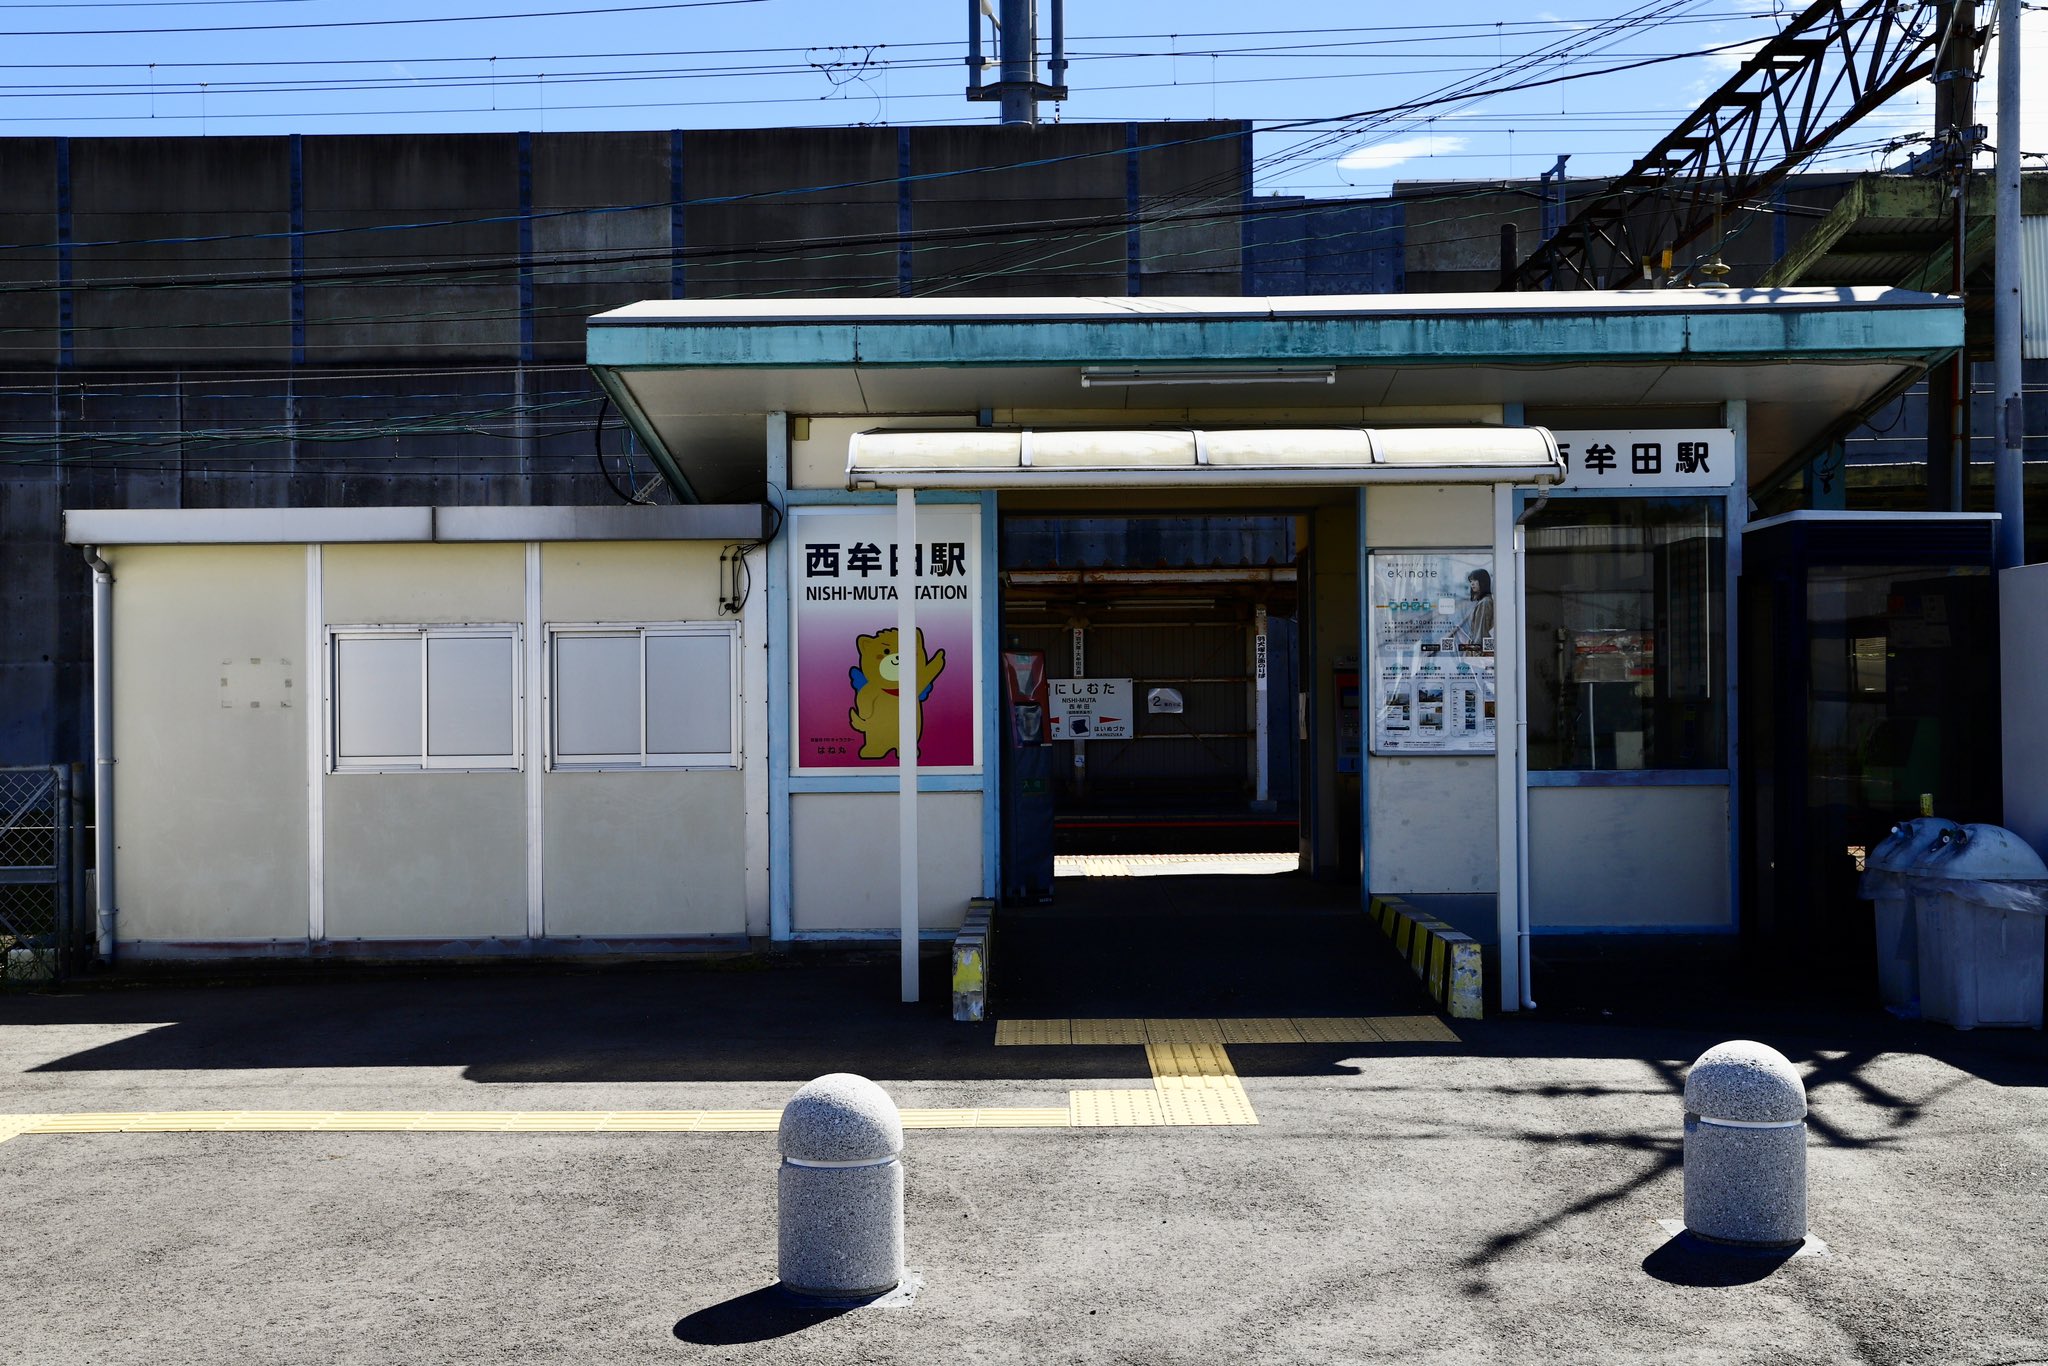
(368, 23)
(954, 47)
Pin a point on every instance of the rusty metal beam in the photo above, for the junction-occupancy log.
(1782, 105)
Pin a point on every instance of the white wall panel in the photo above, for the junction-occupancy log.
(1615, 857)
(1433, 824)
(426, 855)
(844, 846)
(210, 696)
(646, 854)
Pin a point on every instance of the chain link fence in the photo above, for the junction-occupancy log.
(42, 925)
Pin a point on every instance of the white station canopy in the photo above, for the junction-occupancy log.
(1182, 458)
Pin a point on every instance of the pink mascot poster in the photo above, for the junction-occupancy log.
(846, 569)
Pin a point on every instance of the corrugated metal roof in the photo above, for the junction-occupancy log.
(2034, 285)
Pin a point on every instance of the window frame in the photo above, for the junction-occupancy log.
(643, 762)
(1721, 684)
(425, 633)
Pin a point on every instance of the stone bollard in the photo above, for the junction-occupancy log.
(1745, 1147)
(840, 1192)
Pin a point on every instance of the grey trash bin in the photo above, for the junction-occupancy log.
(1981, 904)
(1888, 887)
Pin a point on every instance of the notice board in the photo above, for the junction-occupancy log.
(1431, 673)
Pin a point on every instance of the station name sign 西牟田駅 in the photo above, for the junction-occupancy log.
(1665, 458)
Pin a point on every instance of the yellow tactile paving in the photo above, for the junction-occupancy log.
(1414, 1029)
(1119, 1109)
(1337, 1029)
(1197, 1085)
(1108, 1031)
(1034, 1032)
(1260, 1031)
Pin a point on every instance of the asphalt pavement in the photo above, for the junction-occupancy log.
(1497, 1198)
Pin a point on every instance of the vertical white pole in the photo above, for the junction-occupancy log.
(908, 659)
(536, 750)
(104, 845)
(316, 702)
(1507, 692)
(2008, 469)
(1262, 797)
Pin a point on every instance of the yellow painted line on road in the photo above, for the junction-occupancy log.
(493, 1121)
(1193, 1083)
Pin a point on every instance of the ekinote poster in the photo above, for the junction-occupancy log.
(845, 668)
(1432, 685)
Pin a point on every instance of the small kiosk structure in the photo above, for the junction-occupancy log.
(1510, 685)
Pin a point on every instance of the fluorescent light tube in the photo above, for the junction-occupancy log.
(1103, 378)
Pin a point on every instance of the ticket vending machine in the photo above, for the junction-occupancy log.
(1027, 779)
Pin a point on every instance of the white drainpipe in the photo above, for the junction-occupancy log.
(1522, 751)
(103, 745)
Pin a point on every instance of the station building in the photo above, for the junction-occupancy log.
(1457, 597)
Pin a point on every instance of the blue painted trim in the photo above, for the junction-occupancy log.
(298, 239)
(1630, 777)
(1247, 248)
(906, 269)
(1558, 335)
(1513, 415)
(1364, 709)
(525, 248)
(1134, 253)
(992, 703)
(882, 782)
(776, 553)
(875, 497)
(65, 355)
(678, 236)
(1559, 931)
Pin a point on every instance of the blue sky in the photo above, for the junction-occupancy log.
(750, 63)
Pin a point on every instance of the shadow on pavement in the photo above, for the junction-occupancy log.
(757, 1316)
(1109, 947)
(1201, 946)
(1688, 1259)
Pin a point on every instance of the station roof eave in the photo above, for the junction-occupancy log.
(695, 377)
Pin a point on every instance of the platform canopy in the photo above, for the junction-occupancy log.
(694, 377)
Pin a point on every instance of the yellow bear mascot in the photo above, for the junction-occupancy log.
(875, 681)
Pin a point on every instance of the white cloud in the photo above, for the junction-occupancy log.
(1733, 57)
(1385, 154)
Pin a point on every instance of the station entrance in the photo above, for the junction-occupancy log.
(1169, 651)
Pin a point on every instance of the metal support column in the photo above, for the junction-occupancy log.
(2009, 469)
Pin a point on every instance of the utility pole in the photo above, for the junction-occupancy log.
(2009, 471)
(1017, 86)
(1948, 385)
